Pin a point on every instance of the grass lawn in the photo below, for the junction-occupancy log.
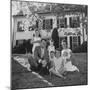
(21, 78)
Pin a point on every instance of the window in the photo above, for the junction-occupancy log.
(74, 41)
(47, 24)
(62, 23)
(20, 26)
(74, 22)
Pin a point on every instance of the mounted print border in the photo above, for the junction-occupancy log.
(48, 44)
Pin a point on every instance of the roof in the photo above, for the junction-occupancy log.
(59, 10)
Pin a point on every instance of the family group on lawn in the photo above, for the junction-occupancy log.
(46, 59)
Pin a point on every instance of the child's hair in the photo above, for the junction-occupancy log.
(58, 50)
(36, 31)
(64, 41)
(51, 41)
(52, 52)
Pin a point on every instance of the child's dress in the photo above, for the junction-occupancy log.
(58, 64)
(66, 54)
(35, 44)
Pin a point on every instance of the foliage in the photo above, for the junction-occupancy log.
(81, 48)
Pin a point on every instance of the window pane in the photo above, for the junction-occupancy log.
(75, 39)
(74, 22)
(20, 26)
(75, 42)
(47, 24)
(74, 45)
(63, 22)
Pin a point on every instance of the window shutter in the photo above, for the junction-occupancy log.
(65, 22)
(43, 24)
(58, 22)
(70, 22)
(37, 24)
(78, 21)
(71, 42)
(79, 40)
(51, 23)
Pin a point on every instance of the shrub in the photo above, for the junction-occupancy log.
(81, 48)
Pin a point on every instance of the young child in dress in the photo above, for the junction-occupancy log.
(51, 47)
(57, 65)
(35, 41)
(66, 54)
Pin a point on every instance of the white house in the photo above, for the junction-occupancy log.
(69, 24)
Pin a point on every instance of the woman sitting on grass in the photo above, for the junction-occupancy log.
(57, 64)
(66, 55)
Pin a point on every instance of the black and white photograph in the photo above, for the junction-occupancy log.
(49, 44)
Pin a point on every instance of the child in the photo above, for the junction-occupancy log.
(51, 47)
(52, 57)
(66, 54)
(35, 41)
(57, 64)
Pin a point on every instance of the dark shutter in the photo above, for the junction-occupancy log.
(37, 24)
(71, 42)
(16, 42)
(51, 23)
(79, 40)
(65, 22)
(70, 22)
(78, 21)
(43, 24)
(58, 22)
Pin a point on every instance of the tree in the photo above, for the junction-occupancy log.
(29, 11)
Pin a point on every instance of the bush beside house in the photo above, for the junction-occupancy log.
(81, 48)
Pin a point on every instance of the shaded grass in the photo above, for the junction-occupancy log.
(21, 78)
(74, 78)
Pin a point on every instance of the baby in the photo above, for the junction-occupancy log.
(51, 47)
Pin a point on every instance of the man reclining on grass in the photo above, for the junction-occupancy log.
(40, 59)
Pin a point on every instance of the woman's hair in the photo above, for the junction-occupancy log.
(58, 50)
(50, 41)
(36, 31)
(64, 41)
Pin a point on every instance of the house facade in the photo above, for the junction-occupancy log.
(69, 26)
